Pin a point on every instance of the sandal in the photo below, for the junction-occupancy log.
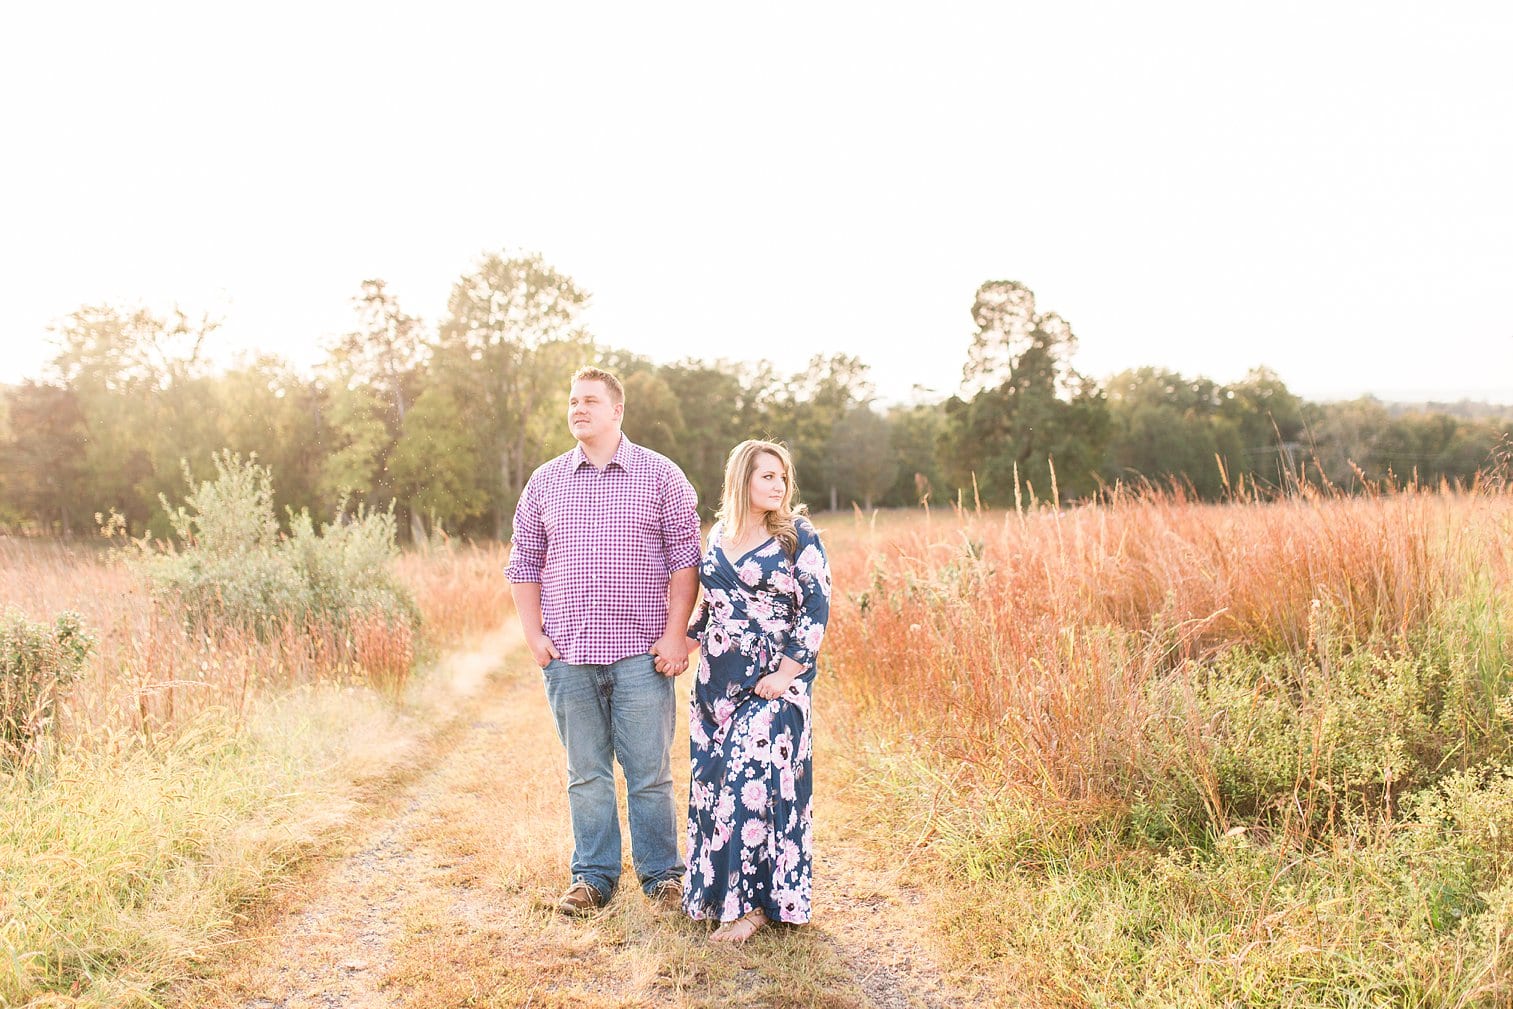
(740, 929)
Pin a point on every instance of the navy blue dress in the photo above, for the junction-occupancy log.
(750, 818)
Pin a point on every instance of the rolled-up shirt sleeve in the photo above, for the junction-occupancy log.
(528, 542)
(680, 523)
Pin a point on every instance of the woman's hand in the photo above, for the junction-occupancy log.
(773, 685)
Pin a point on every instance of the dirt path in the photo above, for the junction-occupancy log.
(441, 894)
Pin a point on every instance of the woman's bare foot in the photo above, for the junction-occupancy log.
(741, 929)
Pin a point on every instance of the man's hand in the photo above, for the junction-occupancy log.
(670, 653)
(542, 649)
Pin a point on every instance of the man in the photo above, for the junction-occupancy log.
(603, 569)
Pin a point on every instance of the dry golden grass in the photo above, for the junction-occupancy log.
(1023, 643)
(445, 897)
(1021, 685)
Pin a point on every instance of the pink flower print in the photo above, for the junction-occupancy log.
(785, 784)
(722, 829)
(813, 634)
(751, 572)
(724, 707)
(720, 608)
(732, 909)
(811, 561)
(706, 869)
(788, 856)
(783, 582)
(703, 665)
(724, 809)
(790, 904)
(782, 748)
(753, 833)
(717, 641)
(754, 796)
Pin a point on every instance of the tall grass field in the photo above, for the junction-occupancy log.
(1159, 753)
(1142, 753)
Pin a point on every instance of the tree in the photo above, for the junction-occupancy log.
(862, 460)
(814, 401)
(507, 348)
(436, 463)
(916, 431)
(1269, 422)
(357, 443)
(652, 415)
(1167, 428)
(1023, 408)
(143, 391)
(42, 461)
(382, 356)
(721, 405)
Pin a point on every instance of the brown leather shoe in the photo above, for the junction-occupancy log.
(580, 898)
(668, 895)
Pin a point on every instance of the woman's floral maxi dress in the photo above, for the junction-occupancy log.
(750, 825)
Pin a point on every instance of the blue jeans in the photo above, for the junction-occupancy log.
(624, 711)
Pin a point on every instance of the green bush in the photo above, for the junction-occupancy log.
(35, 661)
(232, 568)
(1348, 728)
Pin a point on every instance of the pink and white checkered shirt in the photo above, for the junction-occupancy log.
(602, 543)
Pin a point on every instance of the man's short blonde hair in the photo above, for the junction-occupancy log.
(589, 373)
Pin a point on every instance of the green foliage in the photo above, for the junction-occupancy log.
(1346, 729)
(1029, 425)
(234, 570)
(36, 660)
(445, 422)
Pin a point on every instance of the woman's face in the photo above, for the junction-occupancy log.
(769, 484)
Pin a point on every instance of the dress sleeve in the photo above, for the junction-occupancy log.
(528, 540)
(700, 621)
(680, 522)
(812, 575)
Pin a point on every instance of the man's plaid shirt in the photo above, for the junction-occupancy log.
(602, 543)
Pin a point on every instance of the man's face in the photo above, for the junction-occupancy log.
(591, 412)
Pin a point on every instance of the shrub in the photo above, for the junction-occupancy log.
(233, 572)
(35, 661)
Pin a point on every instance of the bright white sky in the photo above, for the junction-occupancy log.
(1324, 188)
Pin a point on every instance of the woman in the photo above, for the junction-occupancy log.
(766, 599)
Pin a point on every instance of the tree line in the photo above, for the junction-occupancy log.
(445, 422)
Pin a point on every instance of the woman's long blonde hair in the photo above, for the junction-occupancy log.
(735, 499)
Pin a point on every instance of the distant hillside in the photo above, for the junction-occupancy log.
(1465, 409)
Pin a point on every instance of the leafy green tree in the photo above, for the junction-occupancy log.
(1342, 441)
(142, 388)
(719, 408)
(438, 463)
(1023, 408)
(916, 431)
(1170, 429)
(1270, 422)
(42, 459)
(861, 456)
(382, 356)
(264, 408)
(357, 443)
(507, 348)
(652, 415)
(813, 402)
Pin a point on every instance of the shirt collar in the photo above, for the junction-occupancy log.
(624, 456)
